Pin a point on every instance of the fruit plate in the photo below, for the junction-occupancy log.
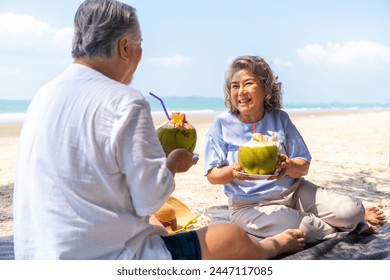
(257, 176)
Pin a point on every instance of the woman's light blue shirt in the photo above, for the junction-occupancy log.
(225, 136)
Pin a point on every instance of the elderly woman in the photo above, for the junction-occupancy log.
(265, 207)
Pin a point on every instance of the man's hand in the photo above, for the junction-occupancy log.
(180, 160)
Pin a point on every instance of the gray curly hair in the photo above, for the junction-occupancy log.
(260, 68)
(99, 24)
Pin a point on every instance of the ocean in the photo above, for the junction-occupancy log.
(14, 110)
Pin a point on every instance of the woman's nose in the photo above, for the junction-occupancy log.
(241, 90)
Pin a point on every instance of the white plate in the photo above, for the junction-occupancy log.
(257, 176)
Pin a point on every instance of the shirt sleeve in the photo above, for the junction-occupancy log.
(141, 158)
(215, 149)
(294, 145)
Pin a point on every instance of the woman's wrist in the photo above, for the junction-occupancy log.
(234, 168)
(289, 165)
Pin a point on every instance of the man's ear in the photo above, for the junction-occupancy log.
(124, 48)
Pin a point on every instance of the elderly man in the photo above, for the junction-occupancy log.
(90, 169)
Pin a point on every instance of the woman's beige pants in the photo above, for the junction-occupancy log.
(319, 213)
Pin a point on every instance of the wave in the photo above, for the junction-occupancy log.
(12, 117)
(189, 112)
(14, 110)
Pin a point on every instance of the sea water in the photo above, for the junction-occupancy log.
(14, 110)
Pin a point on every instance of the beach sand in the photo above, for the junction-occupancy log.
(350, 150)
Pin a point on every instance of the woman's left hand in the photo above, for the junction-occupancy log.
(294, 168)
(283, 167)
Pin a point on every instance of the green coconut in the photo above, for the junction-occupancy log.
(173, 137)
(258, 157)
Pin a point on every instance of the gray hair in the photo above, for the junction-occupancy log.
(99, 24)
(262, 71)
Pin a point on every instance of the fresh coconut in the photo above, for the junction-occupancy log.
(258, 156)
(177, 133)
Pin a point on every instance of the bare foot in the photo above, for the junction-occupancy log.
(375, 216)
(290, 241)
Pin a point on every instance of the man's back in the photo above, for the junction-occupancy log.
(76, 200)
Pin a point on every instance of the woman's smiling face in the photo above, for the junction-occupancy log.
(247, 95)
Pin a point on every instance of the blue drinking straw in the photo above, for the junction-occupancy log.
(162, 103)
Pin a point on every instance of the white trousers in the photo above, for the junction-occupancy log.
(313, 209)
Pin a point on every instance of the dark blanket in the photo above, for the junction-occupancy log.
(350, 247)
(7, 248)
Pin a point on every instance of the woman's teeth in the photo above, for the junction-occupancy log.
(244, 101)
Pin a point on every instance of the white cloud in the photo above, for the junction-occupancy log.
(25, 31)
(350, 53)
(176, 61)
(280, 62)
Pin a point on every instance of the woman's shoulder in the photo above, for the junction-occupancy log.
(222, 117)
(220, 121)
(279, 113)
(225, 115)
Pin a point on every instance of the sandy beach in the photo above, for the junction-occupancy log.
(350, 150)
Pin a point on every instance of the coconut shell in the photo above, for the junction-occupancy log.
(172, 138)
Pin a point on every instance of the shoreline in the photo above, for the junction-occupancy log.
(17, 118)
(350, 150)
(160, 117)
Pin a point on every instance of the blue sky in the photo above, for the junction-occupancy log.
(322, 51)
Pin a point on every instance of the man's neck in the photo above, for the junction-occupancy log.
(106, 66)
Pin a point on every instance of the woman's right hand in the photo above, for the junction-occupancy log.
(238, 172)
(223, 175)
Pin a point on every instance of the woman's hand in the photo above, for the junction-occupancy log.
(282, 167)
(294, 168)
(236, 168)
(224, 174)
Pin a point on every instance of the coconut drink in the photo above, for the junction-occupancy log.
(177, 133)
(259, 156)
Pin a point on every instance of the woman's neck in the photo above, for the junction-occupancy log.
(251, 118)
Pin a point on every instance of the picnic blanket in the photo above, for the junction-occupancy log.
(350, 247)
(7, 248)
